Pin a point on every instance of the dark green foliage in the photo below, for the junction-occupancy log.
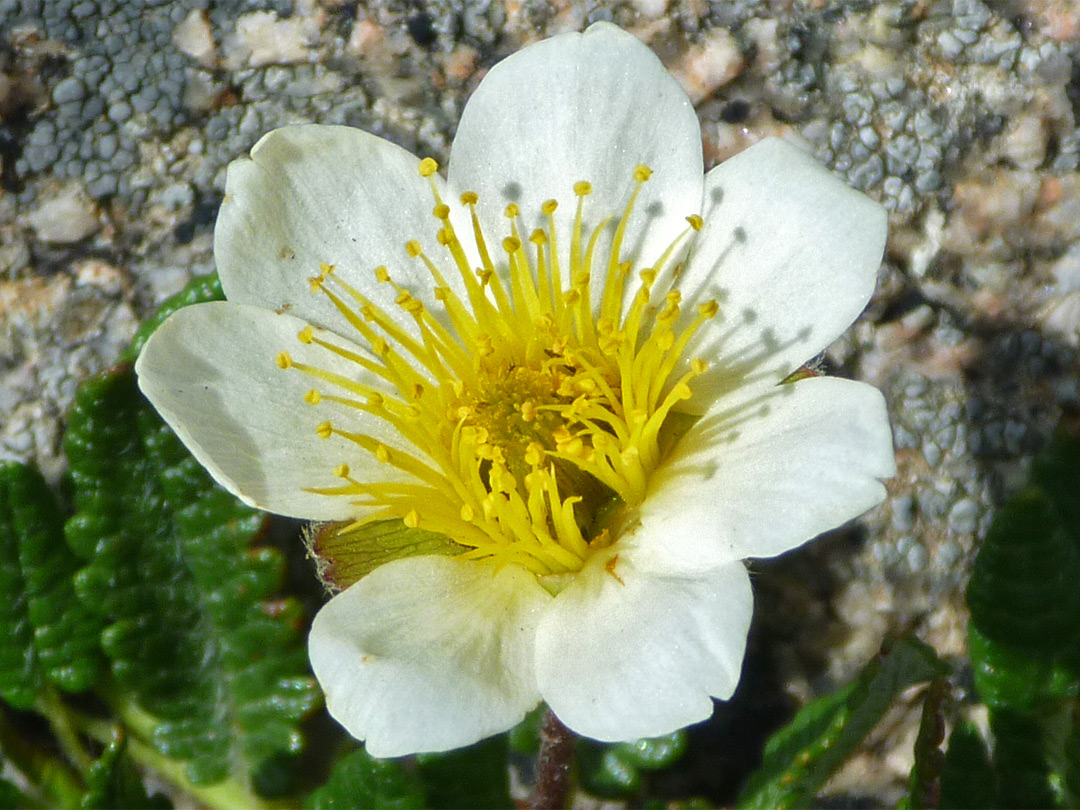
(360, 780)
(1023, 594)
(112, 781)
(48, 632)
(967, 777)
(1020, 763)
(198, 291)
(474, 777)
(1023, 642)
(800, 757)
(191, 628)
(20, 676)
(614, 771)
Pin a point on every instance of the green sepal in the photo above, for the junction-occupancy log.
(967, 776)
(800, 757)
(614, 771)
(112, 781)
(473, 778)
(361, 780)
(345, 556)
(50, 633)
(192, 630)
(199, 290)
(524, 738)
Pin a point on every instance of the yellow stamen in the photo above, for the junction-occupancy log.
(521, 411)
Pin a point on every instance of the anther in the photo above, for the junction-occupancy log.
(538, 237)
(304, 335)
(642, 173)
(382, 275)
(341, 470)
(698, 366)
(582, 188)
(382, 453)
(467, 512)
(325, 269)
(283, 360)
(412, 247)
(428, 167)
(412, 519)
(534, 455)
(324, 430)
(511, 245)
(549, 207)
(696, 222)
(313, 397)
(511, 211)
(709, 309)
(469, 198)
(441, 211)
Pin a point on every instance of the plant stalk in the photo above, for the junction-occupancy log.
(553, 765)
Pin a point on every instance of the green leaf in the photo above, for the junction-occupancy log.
(198, 291)
(475, 777)
(967, 777)
(51, 633)
(361, 780)
(800, 757)
(924, 787)
(614, 771)
(1025, 606)
(193, 629)
(112, 781)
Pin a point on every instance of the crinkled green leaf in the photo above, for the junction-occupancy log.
(193, 630)
(800, 757)
(967, 777)
(112, 781)
(48, 631)
(361, 780)
(1023, 594)
(198, 291)
(614, 771)
(472, 778)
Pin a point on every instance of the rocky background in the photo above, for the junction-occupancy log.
(118, 117)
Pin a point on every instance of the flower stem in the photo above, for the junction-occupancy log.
(553, 764)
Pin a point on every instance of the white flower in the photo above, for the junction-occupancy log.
(515, 372)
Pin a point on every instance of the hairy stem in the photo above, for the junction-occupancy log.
(553, 765)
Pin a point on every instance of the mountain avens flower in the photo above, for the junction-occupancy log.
(567, 366)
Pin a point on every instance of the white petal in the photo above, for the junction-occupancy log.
(576, 107)
(429, 653)
(630, 653)
(791, 254)
(312, 194)
(757, 478)
(210, 372)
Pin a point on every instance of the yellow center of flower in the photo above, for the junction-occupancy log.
(528, 409)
